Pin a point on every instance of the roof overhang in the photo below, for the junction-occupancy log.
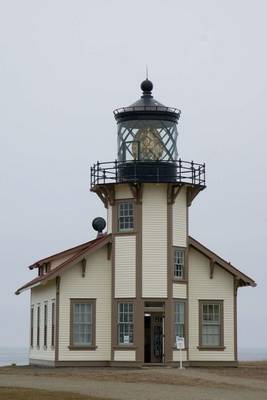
(241, 278)
(91, 247)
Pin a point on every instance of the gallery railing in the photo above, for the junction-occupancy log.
(148, 171)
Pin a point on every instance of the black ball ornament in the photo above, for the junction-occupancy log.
(99, 224)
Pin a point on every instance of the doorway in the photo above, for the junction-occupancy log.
(154, 337)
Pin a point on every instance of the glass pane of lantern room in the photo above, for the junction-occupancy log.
(147, 140)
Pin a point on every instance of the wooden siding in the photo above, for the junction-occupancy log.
(95, 285)
(61, 260)
(124, 355)
(179, 224)
(39, 296)
(154, 249)
(179, 291)
(125, 266)
(123, 192)
(201, 287)
(176, 355)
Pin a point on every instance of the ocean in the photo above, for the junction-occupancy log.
(19, 355)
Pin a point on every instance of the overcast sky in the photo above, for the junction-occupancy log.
(65, 65)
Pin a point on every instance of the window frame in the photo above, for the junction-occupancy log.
(32, 326)
(45, 324)
(118, 343)
(117, 216)
(221, 310)
(72, 345)
(38, 326)
(53, 323)
(184, 277)
(184, 302)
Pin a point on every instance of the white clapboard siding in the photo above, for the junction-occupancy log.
(61, 260)
(109, 219)
(42, 295)
(125, 266)
(95, 285)
(179, 224)
(179, 290)
(124, 355)
(123, 191)
(176, 355)
(201, 287)
(154, 249)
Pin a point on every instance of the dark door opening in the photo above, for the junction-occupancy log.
(153, 338)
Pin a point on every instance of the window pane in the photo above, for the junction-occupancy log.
(179, 263)
(179, 319)
(125, 323)
(125, 216)
(82, 323)
(211, 324)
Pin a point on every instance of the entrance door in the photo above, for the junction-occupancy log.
(153, 338)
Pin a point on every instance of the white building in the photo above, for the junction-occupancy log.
(125, 297)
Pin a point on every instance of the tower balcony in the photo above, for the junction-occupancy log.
(136, 172)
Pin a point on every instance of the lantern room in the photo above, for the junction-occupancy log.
(147, 130)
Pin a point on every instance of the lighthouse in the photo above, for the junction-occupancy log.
(147, 192)
(132, 294)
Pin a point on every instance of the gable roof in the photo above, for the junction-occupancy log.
(243, 279)
(61, 254)
(81, 252)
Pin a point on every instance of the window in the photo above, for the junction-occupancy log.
(45, 325)
(82, 323)
(53, 325)
(211, 327)
(125, 323)
(31, 334)
(179, 263)
(38, 326)
(179, 319)
(125, 216)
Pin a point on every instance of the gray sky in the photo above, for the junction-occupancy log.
(64, 67)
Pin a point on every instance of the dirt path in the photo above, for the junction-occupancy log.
(145, 384)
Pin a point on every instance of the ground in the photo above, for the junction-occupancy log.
(247, 382)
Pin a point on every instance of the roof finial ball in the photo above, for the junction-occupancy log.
(99, 225)
(147, 87)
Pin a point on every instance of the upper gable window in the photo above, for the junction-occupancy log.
(125, 216)
(179, 263)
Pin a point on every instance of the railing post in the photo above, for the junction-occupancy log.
(98, 171)
(116, 171)
(193, 172)
(180, 169)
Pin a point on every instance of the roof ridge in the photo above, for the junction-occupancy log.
(54, 271)
(61, 253)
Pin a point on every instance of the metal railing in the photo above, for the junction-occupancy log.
(147, 108)
(141, 171)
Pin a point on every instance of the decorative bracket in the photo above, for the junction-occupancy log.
(83, 263)
(109, 250)
(172, 192)
(212, 265)
(106, 193)
(137, 191)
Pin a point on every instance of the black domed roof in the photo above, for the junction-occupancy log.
(147, 99)
(147, 105)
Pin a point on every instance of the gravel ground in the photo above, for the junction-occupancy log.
(245, 383)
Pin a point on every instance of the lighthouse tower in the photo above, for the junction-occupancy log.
(147, 192)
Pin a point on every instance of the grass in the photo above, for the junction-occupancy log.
(11, 393)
